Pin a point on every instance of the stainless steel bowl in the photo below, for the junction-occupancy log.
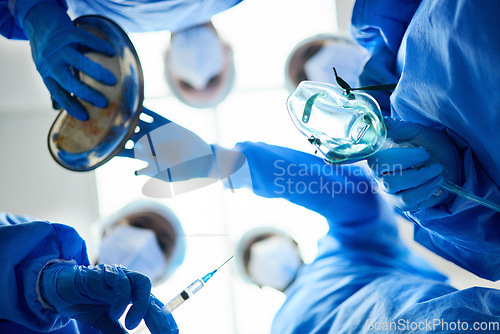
(85, 145)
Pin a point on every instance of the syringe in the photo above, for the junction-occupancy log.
(185, 294)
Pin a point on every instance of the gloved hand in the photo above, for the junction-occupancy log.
(177, 149)
(380, 69)
(56, 47)
(174, 154)
(99, 295)
(412, 171)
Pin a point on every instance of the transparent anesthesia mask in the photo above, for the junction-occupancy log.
(344, 126)
(347, 127)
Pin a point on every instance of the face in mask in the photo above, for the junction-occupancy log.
(197, 56)
(274, 262)
(135, 248)
(345, 127)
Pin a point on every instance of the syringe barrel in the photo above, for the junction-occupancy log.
(184, 295)
(195, 286)
(175, 302)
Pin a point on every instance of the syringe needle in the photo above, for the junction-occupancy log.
(210, 274)
(224, 263)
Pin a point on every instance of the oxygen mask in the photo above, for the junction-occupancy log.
(344, 126)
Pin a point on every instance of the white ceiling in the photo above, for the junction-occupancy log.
(21, 87)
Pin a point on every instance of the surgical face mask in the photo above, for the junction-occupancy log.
(196, 56)
(134, 248)
(347, 58)
(345, 127)
(274, 262)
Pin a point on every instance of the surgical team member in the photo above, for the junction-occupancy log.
(364, 279)
(48, 285)
(313, 59)
(445, 56)
(144, 236)
(57, 45)
(199, 66)
(267, 256)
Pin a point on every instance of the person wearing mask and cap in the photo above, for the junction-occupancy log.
(267, 256)
(144, 236)
(313, 60)
(199, 66)
(48, 285)
(58, 46)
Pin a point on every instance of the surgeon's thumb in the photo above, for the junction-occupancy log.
(400, 131)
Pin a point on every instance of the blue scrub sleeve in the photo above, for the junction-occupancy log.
(306, 180)
(13, 12)
(342, 194)
(153, 15)
(26, 246)
(382, 22)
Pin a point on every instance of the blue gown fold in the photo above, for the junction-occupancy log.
(446, 56)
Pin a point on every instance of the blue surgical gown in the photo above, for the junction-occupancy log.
(446, 53)
(364, 279)
(26, 245)
(153, 15)
(131, 15)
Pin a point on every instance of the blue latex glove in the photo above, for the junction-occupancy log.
(99, 295)
(379, 69)
(56, 47)
(412, 171)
